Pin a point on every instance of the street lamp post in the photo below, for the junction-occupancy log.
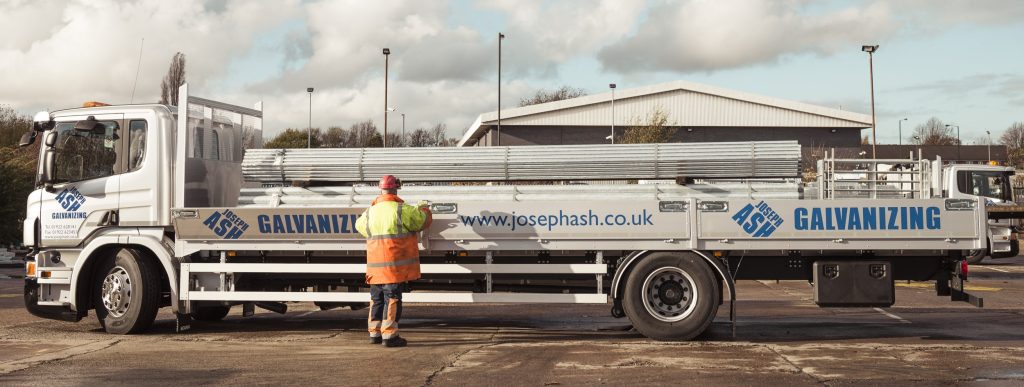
(386, 111)
(387, 53)
(403, 128)
(989, 134)
(901, 130)
(309, 129)
(871, 70)
(958, 157)
(612, 86)
(501, 37)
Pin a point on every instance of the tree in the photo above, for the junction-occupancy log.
(173, 80)
(933, 132)
(364, 135)
(395, 140)
(1013, 138)
(544, 96)
(653, 130)
(865, 140)
(334, 137)
(12, 126)
(293, 138)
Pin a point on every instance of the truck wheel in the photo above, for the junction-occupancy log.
(974, 257)
(210, 312)
(126, 292)
(671, 296)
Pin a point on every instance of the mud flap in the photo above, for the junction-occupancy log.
(956, 289)
(182, 322)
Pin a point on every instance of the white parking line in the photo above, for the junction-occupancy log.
(996, 269)
(892, 316)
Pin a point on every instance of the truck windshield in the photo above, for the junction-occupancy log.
(81, 155)
(990, 184)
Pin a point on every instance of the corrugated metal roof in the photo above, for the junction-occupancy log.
(687, 104)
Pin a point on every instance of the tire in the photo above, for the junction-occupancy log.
(210, 312)
(126, 292)
(975, 257)
(691, 297)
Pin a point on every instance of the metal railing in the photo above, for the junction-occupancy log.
(873, 178)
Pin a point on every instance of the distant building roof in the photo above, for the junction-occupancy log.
(687, 104)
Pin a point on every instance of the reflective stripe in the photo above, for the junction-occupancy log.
(369, 229)
(390, 236)
(393, 264)
(398, 219)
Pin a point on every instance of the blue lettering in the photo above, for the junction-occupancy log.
(892, 218)
(854, 219)
(934, 220)
(916, 218)
(211, 221)
(263, 222)
(752, 224)
(742, 214)
(800, 218)
(841, 217)
(816, 223)
(870, 218)
(235, 233)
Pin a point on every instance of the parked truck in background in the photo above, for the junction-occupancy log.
(141, 207)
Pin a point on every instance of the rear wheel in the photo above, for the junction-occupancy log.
(975, 257)
(126, 292)
(671, 296)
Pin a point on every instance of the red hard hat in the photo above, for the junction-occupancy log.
(389, 182)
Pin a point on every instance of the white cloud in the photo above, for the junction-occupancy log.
(57, 54)
(703, 35)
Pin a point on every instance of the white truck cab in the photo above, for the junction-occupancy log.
(991, 184)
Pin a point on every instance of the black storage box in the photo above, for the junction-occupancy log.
(854, 283)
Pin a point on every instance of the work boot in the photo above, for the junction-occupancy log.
(397, 341)
(376, 340)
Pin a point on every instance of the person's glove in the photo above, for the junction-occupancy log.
(423, 203)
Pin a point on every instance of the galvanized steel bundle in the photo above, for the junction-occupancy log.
(527, 163)
(361, 196)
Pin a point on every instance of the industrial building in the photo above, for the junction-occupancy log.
(702, 113)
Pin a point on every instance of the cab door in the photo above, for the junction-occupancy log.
(86, 170)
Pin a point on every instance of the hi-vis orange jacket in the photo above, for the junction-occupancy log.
(390, 227)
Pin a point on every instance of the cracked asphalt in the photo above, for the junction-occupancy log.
(782, 338)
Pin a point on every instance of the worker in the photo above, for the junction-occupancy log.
(392, 257)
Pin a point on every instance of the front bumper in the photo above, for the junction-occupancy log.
(53, 312)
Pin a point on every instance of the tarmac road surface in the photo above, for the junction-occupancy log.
(782, 339)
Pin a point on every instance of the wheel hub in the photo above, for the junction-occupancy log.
(669, 294)
(116, 292)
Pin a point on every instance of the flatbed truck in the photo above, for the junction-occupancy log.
(141, 207)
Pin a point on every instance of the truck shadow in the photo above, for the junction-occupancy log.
(443, 327)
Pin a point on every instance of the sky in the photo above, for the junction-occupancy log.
(960, 61)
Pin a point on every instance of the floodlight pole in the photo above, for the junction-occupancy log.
(871, 71)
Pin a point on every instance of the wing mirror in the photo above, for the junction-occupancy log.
(42, 121)
(28, 138)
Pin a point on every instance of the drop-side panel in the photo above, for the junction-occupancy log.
(535, 225)
(918, 224)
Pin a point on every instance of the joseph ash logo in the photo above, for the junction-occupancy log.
(71, 201)
(759, 221)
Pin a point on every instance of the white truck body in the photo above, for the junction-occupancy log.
(160, 186)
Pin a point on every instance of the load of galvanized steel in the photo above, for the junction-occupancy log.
(766, 159)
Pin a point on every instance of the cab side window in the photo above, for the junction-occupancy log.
(136, 144)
